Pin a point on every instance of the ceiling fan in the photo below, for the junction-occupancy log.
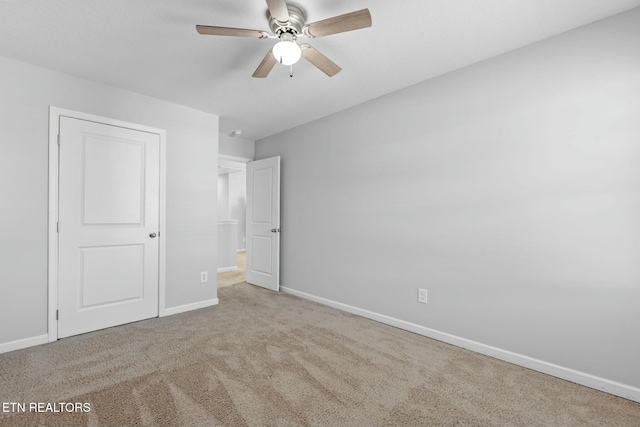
(287, 21)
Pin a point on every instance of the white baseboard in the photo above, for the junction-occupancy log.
(189, 307)
(588, 380)
(44, 339)
(225, 269)
(23, 343)
(241, 250)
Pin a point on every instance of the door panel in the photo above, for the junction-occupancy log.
(261, 255)
(114, 181)
(262, 196)
(111, 274)
(263, 223)
(108, 209)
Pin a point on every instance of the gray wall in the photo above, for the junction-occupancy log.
(509, 189)
(192, 158)
(237, 147)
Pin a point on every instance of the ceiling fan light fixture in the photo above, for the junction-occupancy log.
(287, 51)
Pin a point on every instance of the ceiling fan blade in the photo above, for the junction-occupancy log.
(339, 24)
(234, 32)
(279, 11)
(325, 65)
(265, 66)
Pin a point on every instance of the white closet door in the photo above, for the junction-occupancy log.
(108, 226)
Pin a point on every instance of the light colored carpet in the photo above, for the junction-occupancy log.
(229, 278)
(265, 358)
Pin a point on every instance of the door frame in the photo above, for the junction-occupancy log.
(52, 253)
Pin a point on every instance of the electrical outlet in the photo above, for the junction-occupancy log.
(204, 277)
(422, 296)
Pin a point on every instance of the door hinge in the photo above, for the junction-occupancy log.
(57, 227)
(58, 139)
(57, 314)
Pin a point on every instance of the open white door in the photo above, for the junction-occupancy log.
(108, 226)
(263, 223)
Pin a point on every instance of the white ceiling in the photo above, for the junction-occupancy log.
(151, 47)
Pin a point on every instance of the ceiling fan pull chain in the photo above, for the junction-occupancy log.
(291, 72)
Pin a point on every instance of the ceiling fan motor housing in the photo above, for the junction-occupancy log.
(297, 20)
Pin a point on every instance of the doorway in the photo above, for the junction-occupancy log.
(231, 221)
(257, 197)
(106, 223)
